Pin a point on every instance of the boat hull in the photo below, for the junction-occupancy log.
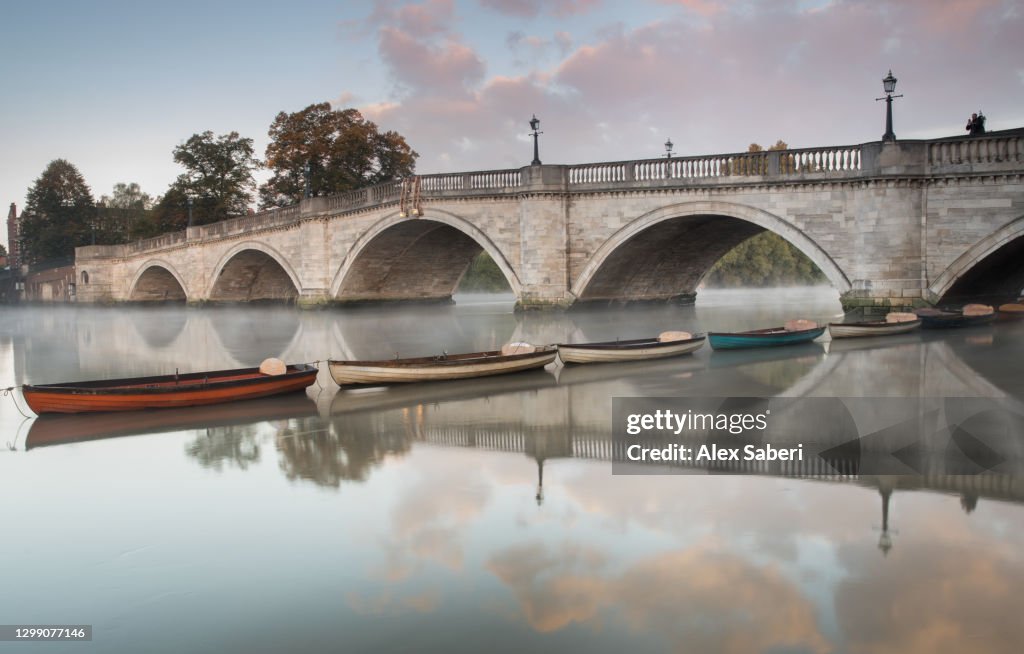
(763, 338)
(955, 321)
(165, 392)
(486, 364)
(641, 350)
(877, 328)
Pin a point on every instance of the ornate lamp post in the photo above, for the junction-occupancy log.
(190, 210)
(535, 126)
(668, 149)
(305, 172)
(889, 85)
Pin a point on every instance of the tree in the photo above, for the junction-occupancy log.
(483, 276)
(764, 260)
(169, 215)
(3, 250)
(127, 196)
(779, 145)
(59, 214)
(125, 214)
(218, 175)
(344, 152)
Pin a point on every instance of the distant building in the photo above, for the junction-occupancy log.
(13, 238)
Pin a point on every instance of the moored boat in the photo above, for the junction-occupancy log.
(59, 429)
(894, 323)
(1012, 311)
(971, 315)
(666, 344)
(167, 391)
(794, 331)
(515, 357)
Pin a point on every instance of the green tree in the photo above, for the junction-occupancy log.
(218, 175)
(59, 214)
(344, 152)
(762, 261)
(170, 214)
(126, 213)
(484, 276)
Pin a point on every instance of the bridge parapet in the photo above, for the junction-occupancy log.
(768, 164)
(262, 220)
(994, 148)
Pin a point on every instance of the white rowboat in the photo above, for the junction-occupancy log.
(642, 349)
(871, 328)
(439, 368)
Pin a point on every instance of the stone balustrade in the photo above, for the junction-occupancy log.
(951, 155)
(992, 148)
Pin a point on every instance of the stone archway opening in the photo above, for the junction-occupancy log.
(418, 260)
(996, 279)
(668, 260)
(253, 276)
(156, 284)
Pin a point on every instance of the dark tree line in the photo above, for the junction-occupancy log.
(341, 150)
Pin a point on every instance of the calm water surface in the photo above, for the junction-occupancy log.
(482, 515)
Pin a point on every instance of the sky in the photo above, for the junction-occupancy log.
(114, 86)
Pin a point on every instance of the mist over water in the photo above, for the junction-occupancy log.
(482, 514)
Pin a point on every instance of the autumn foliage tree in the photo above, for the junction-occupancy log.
(59, 214)
(344, 152)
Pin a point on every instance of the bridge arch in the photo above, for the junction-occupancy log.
(253, 271)
(717, 228)
(157, 280)
(990, 267)
(385, 260)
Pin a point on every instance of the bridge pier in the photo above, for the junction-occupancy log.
(544, 239)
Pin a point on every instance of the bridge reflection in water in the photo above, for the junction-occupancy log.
(567, 415)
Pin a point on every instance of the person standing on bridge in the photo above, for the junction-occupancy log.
(976, 124)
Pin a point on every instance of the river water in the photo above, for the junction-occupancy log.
(483, 515)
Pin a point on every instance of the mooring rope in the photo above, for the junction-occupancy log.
(10, 391)
(13, 445)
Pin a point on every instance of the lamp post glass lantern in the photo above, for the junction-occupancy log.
(535, 126)
(668, 149)
(190, 210)
(889, 86)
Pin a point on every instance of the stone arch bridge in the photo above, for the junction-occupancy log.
(893, 223)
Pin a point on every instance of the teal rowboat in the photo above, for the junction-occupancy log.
(763, 338)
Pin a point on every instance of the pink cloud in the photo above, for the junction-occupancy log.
(519, 8)
(430, 18)
(702, 7)
(533, 8)
(767, 72)
(423, 66)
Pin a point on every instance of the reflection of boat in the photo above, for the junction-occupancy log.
(640, 349)
(894, 323)
(58, 429)
(939, 319)
(397, 397)
(166, 391)
(772, 337)
(439, 368)
(844, 345)
(630, 370)
(801, 352)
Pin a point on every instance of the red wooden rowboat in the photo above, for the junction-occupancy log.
(193, 389)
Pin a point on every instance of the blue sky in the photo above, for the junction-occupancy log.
(114, 86)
